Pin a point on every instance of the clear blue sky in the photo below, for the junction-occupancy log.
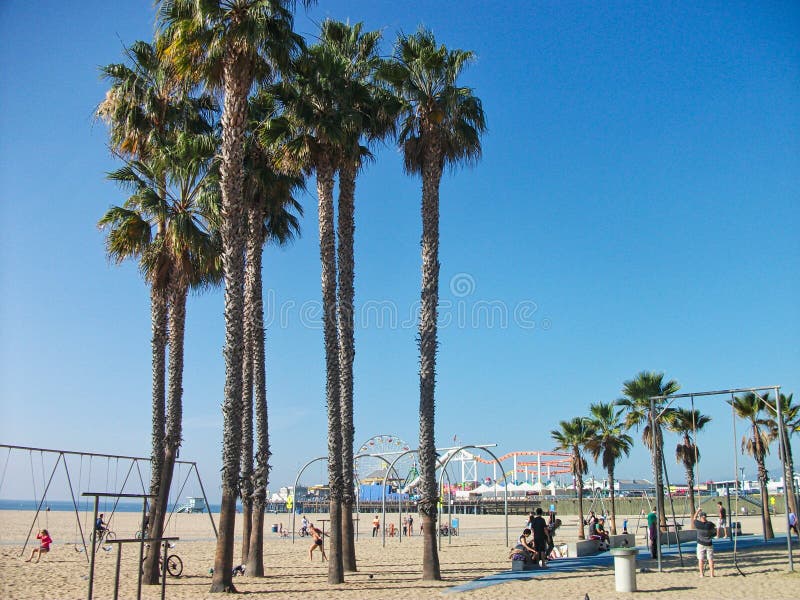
(639, 189)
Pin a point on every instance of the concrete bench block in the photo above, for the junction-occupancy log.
(583, 548)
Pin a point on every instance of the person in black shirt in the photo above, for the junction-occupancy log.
(705, 536)
(541, 536)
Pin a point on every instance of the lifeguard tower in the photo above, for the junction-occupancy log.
(193, 505)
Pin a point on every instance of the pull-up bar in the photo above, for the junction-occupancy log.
(788, 477)
(96, 540)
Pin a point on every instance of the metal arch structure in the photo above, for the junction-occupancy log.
(505, 486)
(294, 489)
(319, 458)
(788, 481)
(399, 500)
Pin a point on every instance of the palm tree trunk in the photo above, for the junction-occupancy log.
(690, 481)
(788, 474)
(346, 293)
(579, 486)
(613, 515)
(658, 473)
(253, 246)
(327, 249)
(172, 441)
(158, 316)
(255, 559)
(237, 84)
(428, 345)
(763, 477)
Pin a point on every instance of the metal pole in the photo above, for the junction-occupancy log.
(75, 505)
(116, 572)
(672, 505)
(141, 548)
(205, 499)
(95, 535)
(39, 508)
(294, 490)
(788, 484)
(730, 516)
(163, 574)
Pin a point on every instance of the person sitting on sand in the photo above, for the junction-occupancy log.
(44, 548)
(598, 532)
(317, 535)
(524, 544)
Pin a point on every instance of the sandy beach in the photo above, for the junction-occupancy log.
(386, 572)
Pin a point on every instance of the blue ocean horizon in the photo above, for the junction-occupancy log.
(83, 505)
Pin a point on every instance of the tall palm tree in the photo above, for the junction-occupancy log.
(791, 418)
(608, 443)
(441, 124)
(371, 117)
(310, 137)
(792, 422)
(638, 392)
(229, 45)
(145, 107)
(272, 216)
(573, 436)
(756, 443)
(186, 254)
(687, 423)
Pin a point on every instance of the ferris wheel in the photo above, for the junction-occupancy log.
(375, 455)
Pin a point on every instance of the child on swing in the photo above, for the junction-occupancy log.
(45, 540)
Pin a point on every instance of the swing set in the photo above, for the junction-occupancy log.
(775, 408)
(42, 482)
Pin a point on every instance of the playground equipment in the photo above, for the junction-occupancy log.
(83, 462)
(665, 401)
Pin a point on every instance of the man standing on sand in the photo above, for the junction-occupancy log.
(723, 519)
(705, 535)
(376, 525)
(540, 537)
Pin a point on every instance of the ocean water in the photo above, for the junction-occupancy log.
(83, 505)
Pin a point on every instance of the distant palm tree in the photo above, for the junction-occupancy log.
(573, 436)
(791, 417)
(441, 124)
(792, 422)
(608, 442)
(229, 45)
(638, 392)
(750, 408)
(687, 423)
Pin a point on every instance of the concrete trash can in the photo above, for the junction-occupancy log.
(625, 568)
